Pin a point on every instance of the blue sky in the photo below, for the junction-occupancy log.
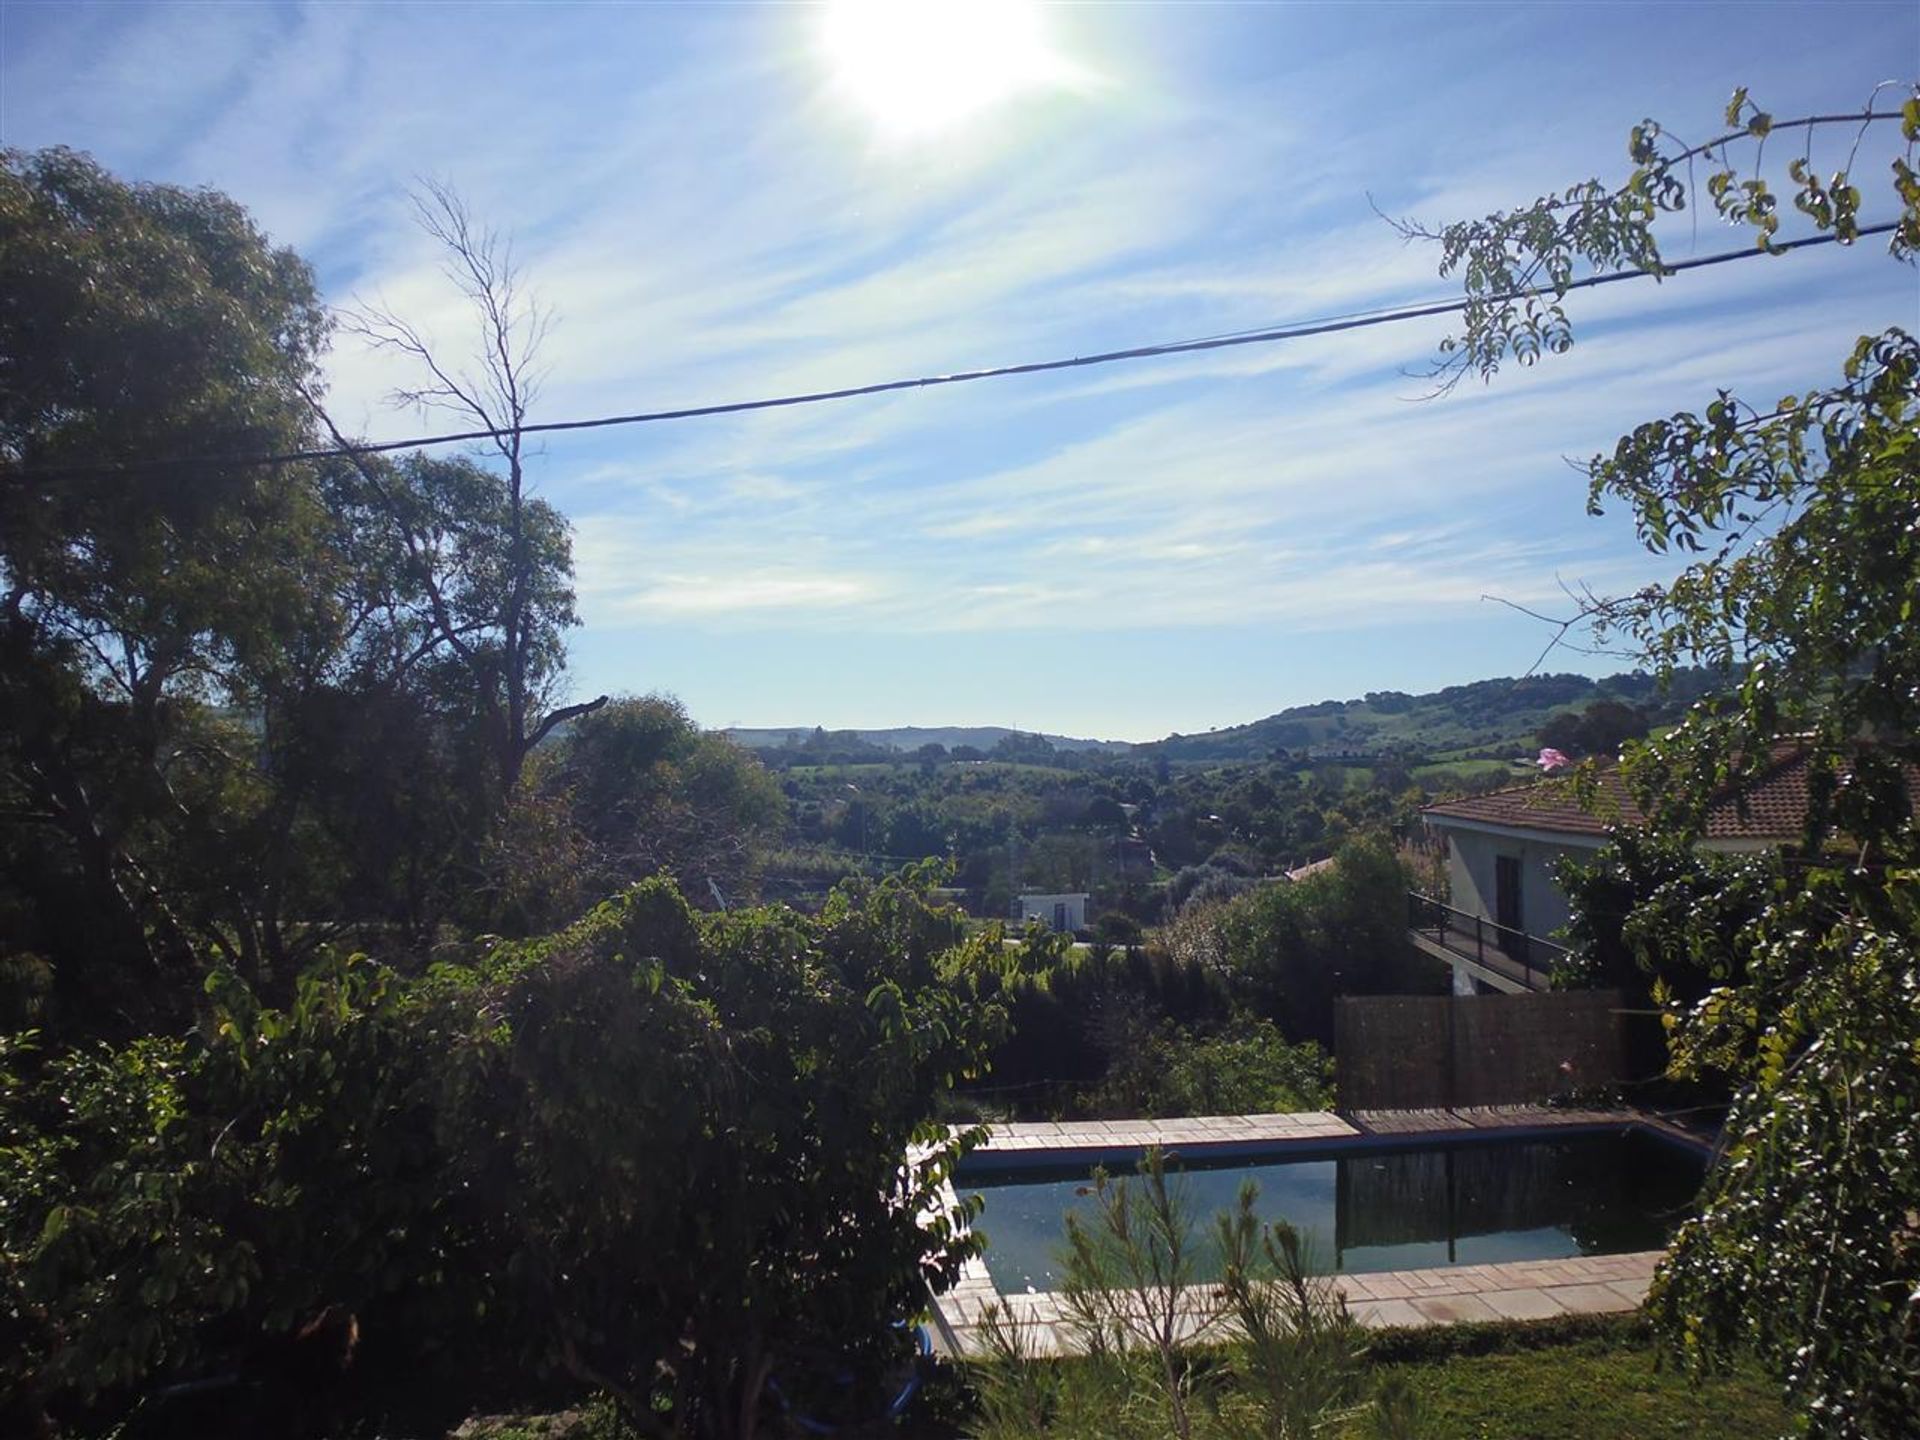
(714, 214)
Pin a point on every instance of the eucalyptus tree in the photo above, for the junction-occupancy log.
(141, 326)
(632, 790)
(1796, 524)
(251, 702)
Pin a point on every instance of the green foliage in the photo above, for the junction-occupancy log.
(655, 1151)
(250, 708)
(1247, 1068)
(1600, 729)
(1798, 526)
(1131, 1294)
(1807, 1246)
(1076, 1016)
(138, 321)
(1297, 1350)
(1494, 717)
(710, 1114)
(1288, 949)
(172, 1204)
(1810, 1011)
(1651, 908)
(631, 790)
(1517, 266)
(599, 1420)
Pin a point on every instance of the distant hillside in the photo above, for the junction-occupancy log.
(1496, 718)
(912, 737)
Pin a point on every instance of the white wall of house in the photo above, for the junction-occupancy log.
(1472, 849)
(1059, 912)
(1471, 856)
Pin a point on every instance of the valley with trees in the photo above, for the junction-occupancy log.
(390, 1036)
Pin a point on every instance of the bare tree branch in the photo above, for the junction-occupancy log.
(498, 392)
(562, 715)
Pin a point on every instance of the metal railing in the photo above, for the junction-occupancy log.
(1499, 948)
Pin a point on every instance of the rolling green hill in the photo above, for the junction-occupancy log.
(912, 737)
(1489, 719)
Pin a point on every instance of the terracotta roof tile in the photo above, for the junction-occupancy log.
(1772, 807)
(1545, 806)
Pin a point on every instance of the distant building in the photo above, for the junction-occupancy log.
(1345, 753)
(1312, 867)
(1057, 912)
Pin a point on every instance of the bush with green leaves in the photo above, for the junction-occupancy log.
(1793, 525)
(655, 1152)
(705, 1124)
(1286, 950)
(1247, 1067)
(174, 1205)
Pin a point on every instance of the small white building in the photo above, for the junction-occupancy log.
(1057, 912)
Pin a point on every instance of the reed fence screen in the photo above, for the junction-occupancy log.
(1425, 1052)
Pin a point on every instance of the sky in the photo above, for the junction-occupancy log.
(723, 202)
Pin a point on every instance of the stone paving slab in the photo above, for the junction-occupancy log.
(1388, 1314)
(1595, 1299)
(1407, 1122)
(1026, 1136)
(1437, 1296)
(1454, 1309)
(1634, 1292)
(1528, 1304)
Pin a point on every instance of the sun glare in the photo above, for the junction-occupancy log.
(920, 66)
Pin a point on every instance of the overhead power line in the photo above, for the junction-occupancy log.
(1301, 330)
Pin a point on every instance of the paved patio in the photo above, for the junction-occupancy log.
(1516, 1290)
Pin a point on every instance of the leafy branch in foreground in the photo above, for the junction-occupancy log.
(1800, 524)
(1518, 265)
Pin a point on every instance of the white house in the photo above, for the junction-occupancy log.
(1058, 912)
(1500, 853)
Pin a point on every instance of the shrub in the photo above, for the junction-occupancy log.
(1073, 1012)
(1248, 1068)
(654, 1152)
(1289, 949)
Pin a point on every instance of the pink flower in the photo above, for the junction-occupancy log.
(1552, 759)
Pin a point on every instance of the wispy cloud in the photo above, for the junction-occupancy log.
(709, 223)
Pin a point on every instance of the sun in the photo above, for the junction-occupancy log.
(922, 66)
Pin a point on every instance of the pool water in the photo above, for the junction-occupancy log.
(1472, 1203)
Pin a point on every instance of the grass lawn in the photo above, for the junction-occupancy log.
(1582, 1378)
(1596, 1389)
(1472, 769)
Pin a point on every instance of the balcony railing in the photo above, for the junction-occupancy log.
(1524, 958)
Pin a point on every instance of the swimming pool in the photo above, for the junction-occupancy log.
(1390, 1207)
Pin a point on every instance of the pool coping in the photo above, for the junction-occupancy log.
(1454, 1294)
